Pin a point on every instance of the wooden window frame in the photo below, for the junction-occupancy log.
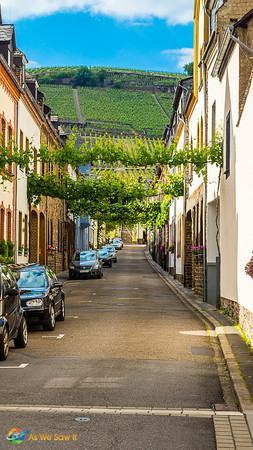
(228, 145)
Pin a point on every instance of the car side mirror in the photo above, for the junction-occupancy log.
(12, 292)
(57, 284)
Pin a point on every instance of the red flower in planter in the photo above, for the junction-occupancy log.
(249, 268)
(51, 249)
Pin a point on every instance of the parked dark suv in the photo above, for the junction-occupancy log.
(12, 320)
(42, 297)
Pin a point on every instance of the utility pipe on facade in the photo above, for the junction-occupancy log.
(205, 215)
(15, 192)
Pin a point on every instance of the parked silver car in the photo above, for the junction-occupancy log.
(85, 264)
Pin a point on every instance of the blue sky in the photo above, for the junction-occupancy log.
(144, 39)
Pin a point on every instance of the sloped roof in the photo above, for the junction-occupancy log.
(6, 33)
(244, 20)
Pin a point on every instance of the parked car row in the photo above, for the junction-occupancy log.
(31, 293)
(28, 294)
(90, 263)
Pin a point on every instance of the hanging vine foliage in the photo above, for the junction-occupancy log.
(125, 179)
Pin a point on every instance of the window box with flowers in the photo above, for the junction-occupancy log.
(249, 268)
(198, 253)
(51, 250)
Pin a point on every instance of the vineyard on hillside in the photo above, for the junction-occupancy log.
(111, 100)
(60, 99)
(136, 110)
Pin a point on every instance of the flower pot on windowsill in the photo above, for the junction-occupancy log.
(51, 250)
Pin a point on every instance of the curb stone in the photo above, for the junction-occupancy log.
(192, 301)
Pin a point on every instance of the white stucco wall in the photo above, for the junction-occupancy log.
(31, 131)
(7, 110)
(244, 194)
(229, 86)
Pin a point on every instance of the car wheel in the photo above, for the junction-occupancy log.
(22, 338)
(4, 344)
(61, 316)
(110, 265)
(50, 323)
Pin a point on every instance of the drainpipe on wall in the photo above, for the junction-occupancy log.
(175, 238)
(46, 237)
(15, 194)
(205, 124)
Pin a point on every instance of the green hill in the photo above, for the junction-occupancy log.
(107, 99)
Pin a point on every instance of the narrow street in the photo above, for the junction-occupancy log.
(127, 342)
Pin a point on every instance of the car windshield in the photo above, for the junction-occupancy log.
(86, 256)
(109, 249)
(103, 253)
(32, 279)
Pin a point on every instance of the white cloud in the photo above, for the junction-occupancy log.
(174, 11)
(180, 56)
(33, 65)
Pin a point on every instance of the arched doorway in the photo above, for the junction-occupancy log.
(42, 239)
(34, 237)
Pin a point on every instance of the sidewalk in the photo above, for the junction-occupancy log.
(238, 356)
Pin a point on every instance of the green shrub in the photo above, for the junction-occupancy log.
(6, 260)
(10, 246)
(3, 248)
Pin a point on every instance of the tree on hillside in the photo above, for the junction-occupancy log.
(101, 77)
(188, 68)
(85, 77)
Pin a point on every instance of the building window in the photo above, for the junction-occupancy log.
(10, 145)
(3, 132)
(60, 236)
(20, 218)
(50, 230)
(21, 141)
(2, 224)
(26, 233)
(201, 224)
(213, 122)
(196, 225)
(9, 226)
(201, 133)
(228, 144)
(179, 238)
(27, 144)
(35, 161)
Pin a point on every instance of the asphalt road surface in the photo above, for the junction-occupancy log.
(127, 344)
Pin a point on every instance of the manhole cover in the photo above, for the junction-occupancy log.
(82, 419)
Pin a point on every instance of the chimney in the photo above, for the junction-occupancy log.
(19, 66)
(32, 85)
(41, 100)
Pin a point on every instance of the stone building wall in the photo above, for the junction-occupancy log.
(239, 315)
(188, 252)
(231, 12)
(198, 275)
